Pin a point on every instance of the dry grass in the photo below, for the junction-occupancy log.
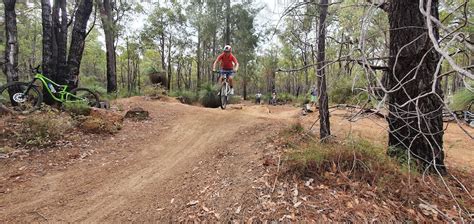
(39, 130)
(372, 186)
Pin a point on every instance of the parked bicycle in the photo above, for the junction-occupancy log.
(26, 97)
(224, 90)
(466, 116)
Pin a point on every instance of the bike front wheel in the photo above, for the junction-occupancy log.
(223, 95)
(85, 95)
(15, 97)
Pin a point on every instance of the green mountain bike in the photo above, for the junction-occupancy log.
(26, 97)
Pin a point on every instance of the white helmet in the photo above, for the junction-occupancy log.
(227, 48)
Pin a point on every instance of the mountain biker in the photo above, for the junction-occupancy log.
(228, 61)
(273, 100)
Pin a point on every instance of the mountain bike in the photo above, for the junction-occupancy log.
(26, 97)
(225, 88)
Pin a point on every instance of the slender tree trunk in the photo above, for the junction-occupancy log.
(128, 68)
(162, 53)
(227, 22)
(190, 76)
(454, 84)
(33, 48)
(445, 86)
(106, 15)
(78, 37)
(306, 73)
(325, 130)
(122, 77)
(244, 82)
(416, 126)
(138, 75)
(178, 74)
(198, 55)
(10, 67)
(169, 62)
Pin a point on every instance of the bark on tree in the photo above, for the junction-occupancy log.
(227, 21)
(325, 130)
(60, 33)
(199, 59)
(169, 62)
(416, 127)
(106, 15)
(49, 65)
(10, 67)
(162, 49)
(78, 40)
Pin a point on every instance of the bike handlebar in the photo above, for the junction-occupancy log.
(36, 69)
(220, 71)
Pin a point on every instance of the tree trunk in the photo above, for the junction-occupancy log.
(244, 82)
(33, 49)
(60, 33)
(78, 37)
(162, 53)
(128, 68)
(47, 22)
(169, 62)
(417, 126)
(227, 21)
(178, 74)
(325, 130)
(10, 67)
(199, 62)
(106, 15)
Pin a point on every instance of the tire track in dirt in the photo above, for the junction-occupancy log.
(104, 190)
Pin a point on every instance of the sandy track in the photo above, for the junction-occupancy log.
(149, 172)
(137, 172)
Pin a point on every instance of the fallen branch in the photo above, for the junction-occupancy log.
(276, 177)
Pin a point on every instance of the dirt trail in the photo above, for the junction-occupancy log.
(184, 156)
(136, 169)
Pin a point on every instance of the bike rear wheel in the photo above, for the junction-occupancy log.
(223, 95)
(14, 98)
(85, 95)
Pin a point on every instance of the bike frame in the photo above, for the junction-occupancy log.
(225, 80)
(63, 95)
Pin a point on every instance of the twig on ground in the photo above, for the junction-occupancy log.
(276, 177)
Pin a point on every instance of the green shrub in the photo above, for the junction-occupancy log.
(303, 99)
(358, 159)
(44, 129)
(154, 91)
(234, 99)
(185, 96)
(341, 92)
(93, 84)
(208, 96)
(285, 98)
(462, 99)
(77, 108)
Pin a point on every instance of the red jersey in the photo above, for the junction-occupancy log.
(227, 61)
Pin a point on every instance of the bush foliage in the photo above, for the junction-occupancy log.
(462, 99)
